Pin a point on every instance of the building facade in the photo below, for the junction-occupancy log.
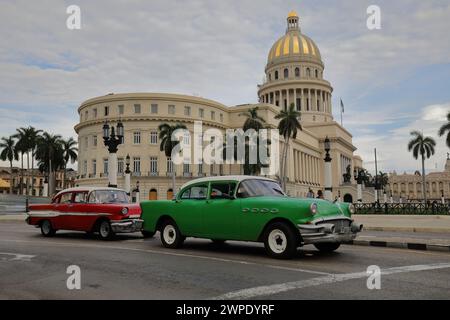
(408, 187)
(294, 75)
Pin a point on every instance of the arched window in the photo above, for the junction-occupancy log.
(297, 72)
(317, 73)
(286, 73)
(153, 195)
(270, 76)
(276, 75)
(308, 72)
(169, 194)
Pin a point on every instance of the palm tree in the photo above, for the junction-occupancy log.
(69, 154)
(425, 147)
(167, 145)
(33, 136)
(288, 127)
(254, 121)
(49, 152)
(22, 147)
(9, 152)
(446, 128)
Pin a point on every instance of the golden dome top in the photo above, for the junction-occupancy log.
(292, 14)
(293, 44)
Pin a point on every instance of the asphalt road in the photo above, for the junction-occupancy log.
(34, 267)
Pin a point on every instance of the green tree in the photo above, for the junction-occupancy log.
(49, 153)
(69, 154)
(423, 146)
(22, 147)
(33, 137)
(9, 153)
(166, 143)
(253, 121)
(288, 127)
(445, 128)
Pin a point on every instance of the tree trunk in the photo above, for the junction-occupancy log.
(424, 186)
(11, 178)
(280, 173)
(21, 175)
(32, 172)
(286, 149)
(64, 177)
(28, 172)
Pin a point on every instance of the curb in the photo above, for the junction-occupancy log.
(401, 245)
(408, 229)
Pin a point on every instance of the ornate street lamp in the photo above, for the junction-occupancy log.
(112, 142)
(127, 175)
(328, 194)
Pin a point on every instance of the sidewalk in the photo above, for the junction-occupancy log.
(405, 231)
(404, 223)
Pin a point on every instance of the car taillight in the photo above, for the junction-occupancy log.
(313, 208)
(124, 210)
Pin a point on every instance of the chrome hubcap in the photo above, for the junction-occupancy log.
(277, 241)
(104, 229)
(169, 234)
(46, 227)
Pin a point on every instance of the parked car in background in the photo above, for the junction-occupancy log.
(104, 210)
(249, 208)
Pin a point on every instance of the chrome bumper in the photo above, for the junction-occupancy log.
(337, 229)
(127, 225)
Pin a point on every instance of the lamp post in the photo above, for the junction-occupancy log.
(442, 197)
(136, 192)
(359, 177)
(127, 175)
(112, 141)
(328, 195)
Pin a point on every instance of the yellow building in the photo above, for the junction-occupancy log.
(294, 74)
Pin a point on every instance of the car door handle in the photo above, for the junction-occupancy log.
(245, 210)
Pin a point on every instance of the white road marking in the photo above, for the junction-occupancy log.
(332, 278)
(16, 256)
(170, 254)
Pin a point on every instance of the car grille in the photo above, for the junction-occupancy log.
(340, 226)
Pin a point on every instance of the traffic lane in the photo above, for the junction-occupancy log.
(119, 273)
(111, 273)
(346, 259)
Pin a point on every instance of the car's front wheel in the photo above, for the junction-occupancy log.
(47, 229)
(327, 246)
(171, 236)
(105, 231)
(280, 241)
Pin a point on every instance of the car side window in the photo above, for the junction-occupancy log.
(66, 198)
(222, 190)
(80, 197)
(243, 191)
(92, 197)
(195, 193)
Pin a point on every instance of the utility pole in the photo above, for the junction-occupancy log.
(376, 178)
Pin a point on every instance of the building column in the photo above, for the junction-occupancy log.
(287, 99)
(295, 99)
(309, 100)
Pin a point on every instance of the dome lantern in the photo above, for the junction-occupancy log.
(292, 22)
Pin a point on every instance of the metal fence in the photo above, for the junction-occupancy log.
(418, 208)
(16, 204)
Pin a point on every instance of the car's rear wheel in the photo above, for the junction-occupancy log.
(105, 231)
(147, 234)
(280, 241)
(327, 246)
(47, 229)
(171, 236)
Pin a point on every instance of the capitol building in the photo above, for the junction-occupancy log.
(294, 75)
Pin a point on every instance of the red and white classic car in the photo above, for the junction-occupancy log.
(91, 209)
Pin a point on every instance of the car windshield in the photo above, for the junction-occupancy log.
(259, 188)
(108, 196)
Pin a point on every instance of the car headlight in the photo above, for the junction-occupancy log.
(351, 208)
(124, 210)
(313, 208)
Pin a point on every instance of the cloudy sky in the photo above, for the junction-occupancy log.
(391, 80)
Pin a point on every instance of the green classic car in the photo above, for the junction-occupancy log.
(248, 208)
